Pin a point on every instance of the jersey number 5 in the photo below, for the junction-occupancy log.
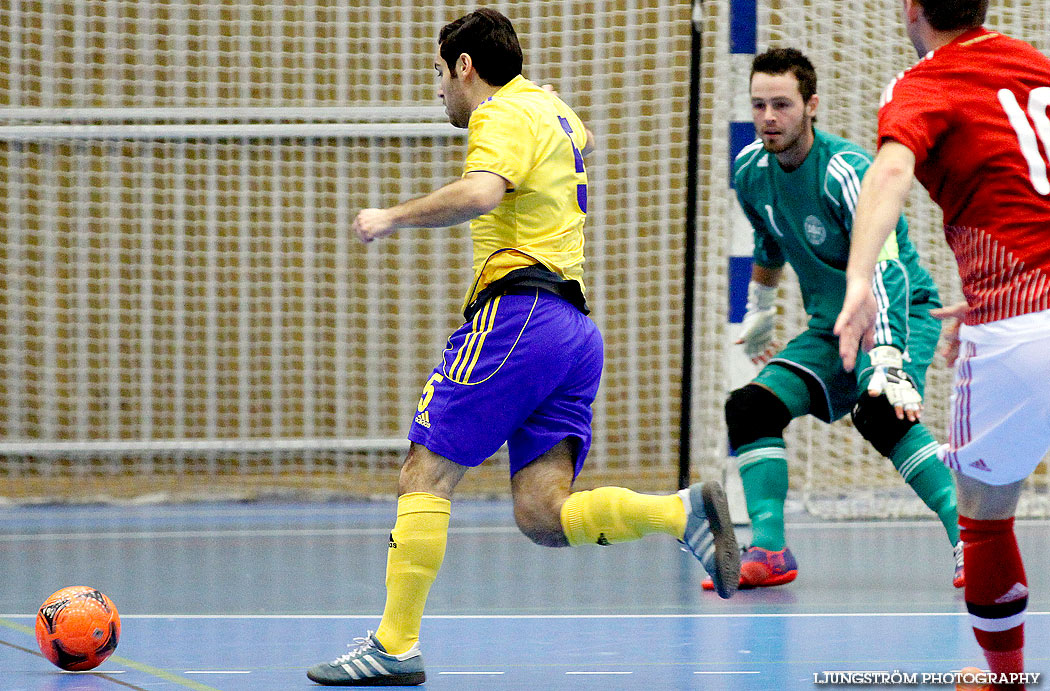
(428, 392)
(1038, 100)
(581, 189)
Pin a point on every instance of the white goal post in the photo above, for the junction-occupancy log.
(856, 48)
(182, 303)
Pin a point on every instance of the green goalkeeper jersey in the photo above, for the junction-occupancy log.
(805, 217)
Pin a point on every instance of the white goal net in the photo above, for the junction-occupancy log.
(856, 49)
(183, 311)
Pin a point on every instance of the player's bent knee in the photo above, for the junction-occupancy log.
(426, 471)
(541, 532)
(540, 521)
(754, 412)
(876, 420)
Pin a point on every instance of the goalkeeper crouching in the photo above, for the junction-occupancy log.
(798, 187)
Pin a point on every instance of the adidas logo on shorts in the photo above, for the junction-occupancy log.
(424, 419)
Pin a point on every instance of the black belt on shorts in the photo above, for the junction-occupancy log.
(525, 280)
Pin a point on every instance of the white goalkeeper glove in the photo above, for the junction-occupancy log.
(890, 378)
(756, 331)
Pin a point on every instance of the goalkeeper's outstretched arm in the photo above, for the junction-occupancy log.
(756, 332)
(882, 195)
(891, 288)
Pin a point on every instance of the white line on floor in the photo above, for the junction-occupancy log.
(756, 615)
(267, 532)
(374, 532)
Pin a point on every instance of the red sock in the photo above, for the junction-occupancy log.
(996, 591)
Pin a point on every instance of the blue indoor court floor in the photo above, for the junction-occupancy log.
(246, 596)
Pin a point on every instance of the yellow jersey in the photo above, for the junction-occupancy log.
(533, 140)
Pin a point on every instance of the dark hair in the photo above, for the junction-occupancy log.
(781, 60)
(949, 15)
(489, 39)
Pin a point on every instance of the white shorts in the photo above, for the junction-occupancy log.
(1000, 405)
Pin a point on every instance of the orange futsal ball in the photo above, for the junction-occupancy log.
(77, 628)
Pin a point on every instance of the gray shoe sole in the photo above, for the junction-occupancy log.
(411, 679)
(726, 576)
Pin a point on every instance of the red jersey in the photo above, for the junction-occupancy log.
(974, 113)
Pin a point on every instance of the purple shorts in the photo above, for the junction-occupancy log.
(525, 370)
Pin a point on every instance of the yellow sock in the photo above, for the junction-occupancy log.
(613, 514)
(417, 548)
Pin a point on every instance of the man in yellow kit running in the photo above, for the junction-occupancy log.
(525, 366)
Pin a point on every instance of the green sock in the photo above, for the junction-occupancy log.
(764, 472)
(915, 458)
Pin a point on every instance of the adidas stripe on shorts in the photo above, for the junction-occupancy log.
(1000, 405)
(525, 371)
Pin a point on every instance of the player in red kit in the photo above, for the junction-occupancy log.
(970, 121)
